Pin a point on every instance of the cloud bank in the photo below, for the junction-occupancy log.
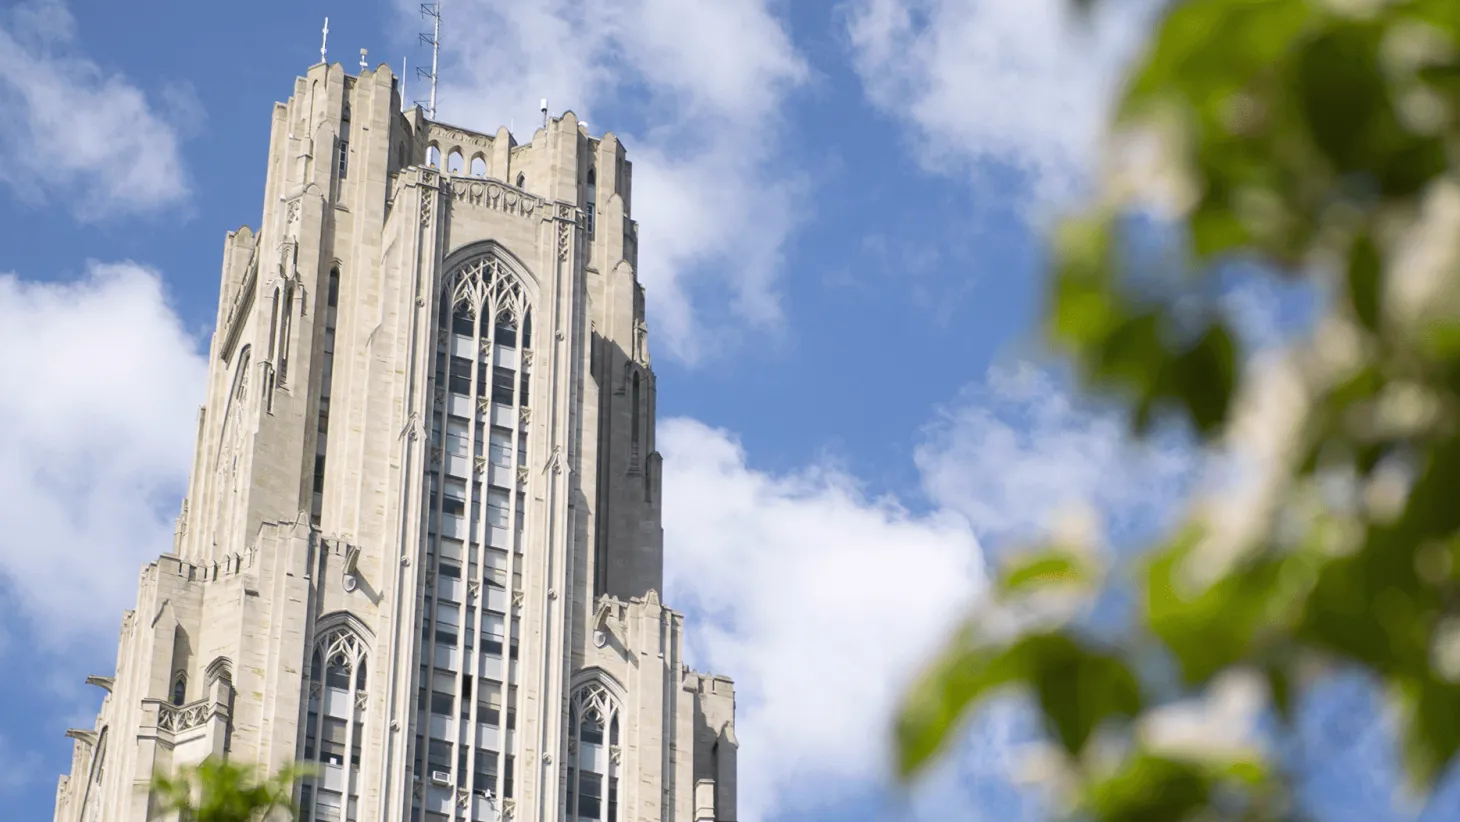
(73, 126)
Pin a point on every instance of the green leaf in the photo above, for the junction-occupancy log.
(1432, 728)
(1341, 93)
(1077, 688)
(1205, 377)
(1364, 271)
(1150, 789)
(964, 673)
(1208, 630)
(1045, 568)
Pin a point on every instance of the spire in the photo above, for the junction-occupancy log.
(324, 39)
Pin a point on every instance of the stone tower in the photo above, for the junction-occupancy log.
(421, 542)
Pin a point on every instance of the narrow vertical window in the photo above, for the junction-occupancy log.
(326, 382)
(478, 166)
(592, 199)
(522, 181)
(453, 163)
(334, 727)
(592, 768)
(634, 431)
(433, 157)
(343, 163)
(179, 688)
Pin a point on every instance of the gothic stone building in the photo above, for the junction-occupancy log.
(421, 545)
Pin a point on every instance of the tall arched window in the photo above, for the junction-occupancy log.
(454, 162)
(343, 162)
(593, 755)
(433, 157)
(592, 198)
(478, 166)
(474, 492)
(179, 693)
(334, 727)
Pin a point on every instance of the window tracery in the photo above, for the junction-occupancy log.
(593, 744)
(334, 726)
(474, 496)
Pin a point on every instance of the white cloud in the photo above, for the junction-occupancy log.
(1016, 452)
(988, 81)
(820, 602)
(96, 401)
(707, 79)
(73, 126)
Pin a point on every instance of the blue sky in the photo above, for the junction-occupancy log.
(841, 207)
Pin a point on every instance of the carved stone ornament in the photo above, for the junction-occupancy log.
(517, 598)
(509, 808)
(522, 475)
(547, 758)
(427, 197)
(484, 405)
(441, 338)
(562, 241)
(316, 690)
(480, 466)
(494, 196)
(615, 755)
(418, 790)
(527, 357)
(572, 746)
(463, 797)
(524, 414)
(361, 698)
(185, 718)
(291, 212)
(440, 396)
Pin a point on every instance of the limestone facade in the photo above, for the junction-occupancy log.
(421, 544)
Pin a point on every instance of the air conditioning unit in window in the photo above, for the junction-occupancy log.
(441, 777)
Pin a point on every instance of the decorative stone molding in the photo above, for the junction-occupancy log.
(239, 307)
(185, 718)
(615, 755)
(509, 808)
(361, 700)
(522, 473)
(479, 466)
(463, 798)
(495, 196)
(524, 414)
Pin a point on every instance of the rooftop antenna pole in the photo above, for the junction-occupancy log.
(362, 61)
(324, 39)
(405, 65)
(432, 10)
(544, 113)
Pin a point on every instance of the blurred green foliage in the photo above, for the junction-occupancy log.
(1319, 141)
(219, 791)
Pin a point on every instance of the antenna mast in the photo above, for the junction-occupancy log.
(324, 39)
(433, 11)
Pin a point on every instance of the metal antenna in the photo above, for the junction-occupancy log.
(405, 66)
(324, 40)
(362, 61)
(433, 11)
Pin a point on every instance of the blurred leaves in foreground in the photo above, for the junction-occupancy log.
(1313, 141)
(219, 791)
